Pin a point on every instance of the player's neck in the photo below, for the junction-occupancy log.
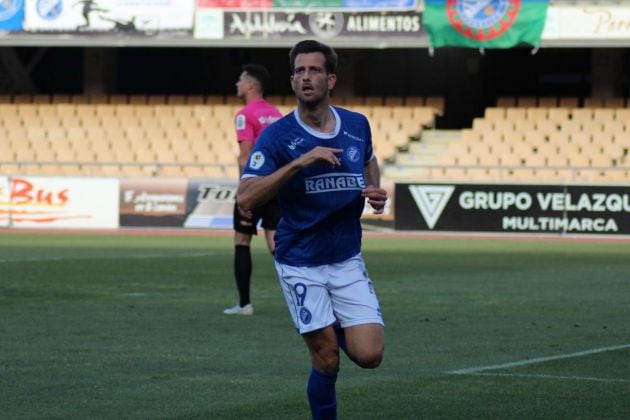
(319, 118)
(251, 97)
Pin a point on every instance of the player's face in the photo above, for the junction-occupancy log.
(242, 85)
(309, 81)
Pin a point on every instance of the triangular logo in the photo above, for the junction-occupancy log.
(431, 200)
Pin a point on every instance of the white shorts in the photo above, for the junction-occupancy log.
(327, 294)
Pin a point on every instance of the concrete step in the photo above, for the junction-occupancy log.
(427, 148)
(427, 151)
(440, 136)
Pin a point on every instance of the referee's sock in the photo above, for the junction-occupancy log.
(242, 272)
(322, 396)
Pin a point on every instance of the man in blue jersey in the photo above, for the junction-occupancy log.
(320, 163)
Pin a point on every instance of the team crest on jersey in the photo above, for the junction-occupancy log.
(240, 122)
(353, 154)
(482, 20)
(257, 160)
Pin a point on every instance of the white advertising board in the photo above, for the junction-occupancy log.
(4, 201)
(127, 16)
(587, 23)
(41, 202)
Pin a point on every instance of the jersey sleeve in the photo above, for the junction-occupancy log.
(264, 157)
(244, 127)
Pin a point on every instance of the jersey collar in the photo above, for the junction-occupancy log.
(319, 134)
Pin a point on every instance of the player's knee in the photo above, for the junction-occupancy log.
(326, 360)
(369, 358)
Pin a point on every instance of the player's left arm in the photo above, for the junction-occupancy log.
(375, 195)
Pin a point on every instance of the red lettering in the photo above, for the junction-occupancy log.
(63, 196)
(24, 192)
(21, 191)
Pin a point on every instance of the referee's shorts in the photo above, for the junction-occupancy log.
(269, 213)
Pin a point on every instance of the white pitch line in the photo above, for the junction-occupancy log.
(559, 377)
(109, 257)
(535, 360)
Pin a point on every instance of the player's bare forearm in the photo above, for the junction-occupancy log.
(376, 196)
(372, 173)
(245, 149)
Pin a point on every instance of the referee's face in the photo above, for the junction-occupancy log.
(309, 80)
(243, 84)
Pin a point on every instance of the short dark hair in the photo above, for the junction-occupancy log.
(259, 73)
(312, 46)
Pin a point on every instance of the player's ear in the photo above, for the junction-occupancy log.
(332, 81)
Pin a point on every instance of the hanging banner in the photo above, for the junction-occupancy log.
(143, 17)
(280, 25)
(513, 208)
(484, 23)
(64, 202)
(307, 4)
(588, 23)
(11, 15)
(5, 217)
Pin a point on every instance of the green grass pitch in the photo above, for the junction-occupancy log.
(117, 326)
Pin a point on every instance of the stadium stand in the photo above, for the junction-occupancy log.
(520, 139)
(524, 139)
(162, 135)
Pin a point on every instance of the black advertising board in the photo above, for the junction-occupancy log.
(571, 209)
(153, 202)
(324, 24)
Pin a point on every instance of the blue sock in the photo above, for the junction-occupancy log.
(322, 395)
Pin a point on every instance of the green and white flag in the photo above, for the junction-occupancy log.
(484, 23)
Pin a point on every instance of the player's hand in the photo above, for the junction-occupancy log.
(246, 214)
(321, 154)
(377, 197)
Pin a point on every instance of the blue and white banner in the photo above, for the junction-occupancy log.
(124, 16)
(210, 203)
(11, 15)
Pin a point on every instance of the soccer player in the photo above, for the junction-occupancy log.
(320, 163)
(250, 122)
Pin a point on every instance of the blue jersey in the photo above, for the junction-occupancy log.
(321, 206)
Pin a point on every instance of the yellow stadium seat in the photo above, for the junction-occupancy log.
(494, 113)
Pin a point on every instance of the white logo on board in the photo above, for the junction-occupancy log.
(431, 200)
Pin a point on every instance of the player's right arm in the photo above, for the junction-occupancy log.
(244, 150)
(257, 190)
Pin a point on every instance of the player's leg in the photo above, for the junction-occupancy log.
(360, 331)
(269, 236)
(365, 344)
(310, 307)
(243, 266)
(321, 391)
(244, 229)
